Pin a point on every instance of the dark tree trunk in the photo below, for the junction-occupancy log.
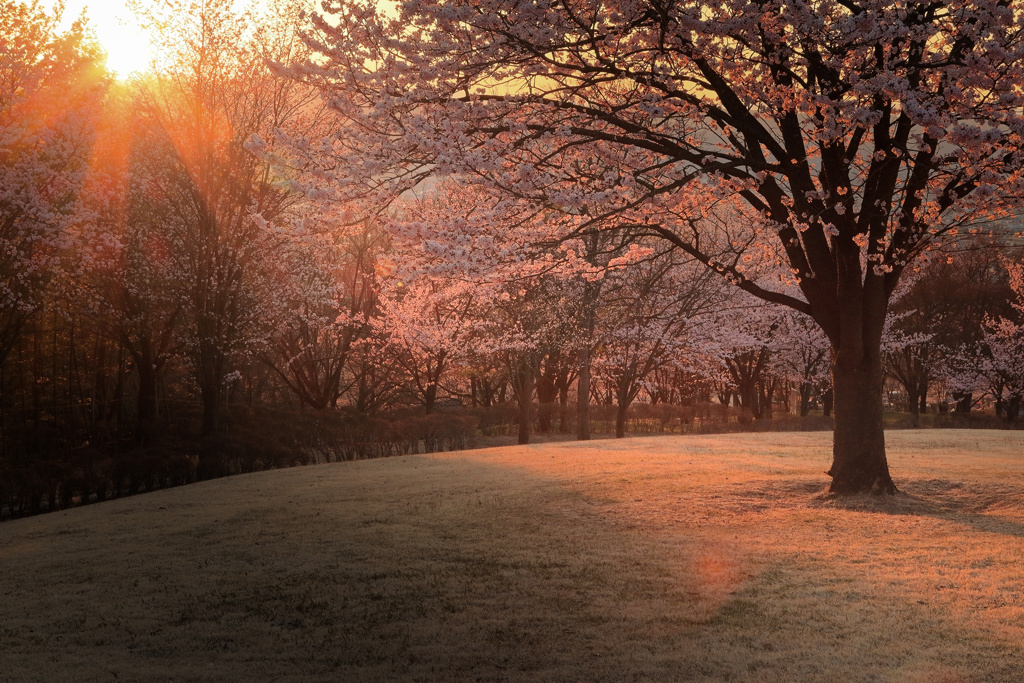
(211, 411)
(430, 399)
(524, 391)
(1012, 407)
(765, 393)
(525, 416)
(210, 364)
(588, 308)
(827, 401)
(583, 398)
(859, 464)
(724, 397)
(806, 391)
(547, 392)
(563, 409)
(748, 396)
(621, 413)
(210, 393)
(915, 408)
(964, 402)
(146, 429)
(747, 371)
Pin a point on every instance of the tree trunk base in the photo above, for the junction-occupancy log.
(859, 464)
(862, 482)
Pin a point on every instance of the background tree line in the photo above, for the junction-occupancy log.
(175, 304)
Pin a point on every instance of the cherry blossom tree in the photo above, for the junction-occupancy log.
(525, 285)
(746, 336)
(647, 322)
(526, 322)
(854, 135)
(430, 326)
(51, 87)
(803, 354)
(995, 365)
(124, 276)
(682, 384)
(212, 94)
(328, 294)
(912, 352)
(952, 296)
(558, 372)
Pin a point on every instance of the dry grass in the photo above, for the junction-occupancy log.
(678, 558)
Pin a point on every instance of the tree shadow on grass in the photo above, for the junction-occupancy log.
(973, 504)
(434, 569)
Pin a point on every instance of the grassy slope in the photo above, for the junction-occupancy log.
(675, 558)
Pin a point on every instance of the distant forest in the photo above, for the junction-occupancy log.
(177, 301)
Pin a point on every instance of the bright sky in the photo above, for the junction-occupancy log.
(115, 27)
(126, 43)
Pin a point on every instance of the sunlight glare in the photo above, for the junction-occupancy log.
(126, 43)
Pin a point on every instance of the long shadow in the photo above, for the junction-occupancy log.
(434, 569)
(972, 504)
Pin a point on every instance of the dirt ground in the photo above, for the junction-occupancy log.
(686, 558)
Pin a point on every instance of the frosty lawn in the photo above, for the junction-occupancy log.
(674, 558)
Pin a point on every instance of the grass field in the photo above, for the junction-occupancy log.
(657, 559)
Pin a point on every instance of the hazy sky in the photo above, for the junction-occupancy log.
(126, 43)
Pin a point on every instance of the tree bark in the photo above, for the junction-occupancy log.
(430, 399)
(806, 390)
(146, 417)
(524, 381)
(210, 394)
(765, 393)
(591, 295)
(964, 402)
(915, 408)
(859, 464)
(211, 411)
(525, 415)
(563, 409)
(547, 392)
(583, 397)
(1013, 406)
(621, 412)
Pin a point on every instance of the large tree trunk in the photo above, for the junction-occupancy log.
(621, 413)
(914, 403)
(210, 366)
(964, 402)
(583, 397)
(1013, 406)
(524, 390)
(547, 392)
(563, 409)
(765, 393)
(859, 464)
(806, 391)
(430, 399)
(211, 410)
(146, 428)
(525, 416)
(211, 385)
(589, 302)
